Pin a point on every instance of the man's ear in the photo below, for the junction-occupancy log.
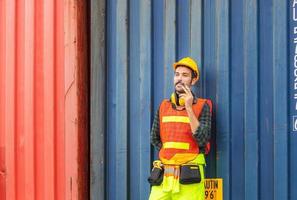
(194, 80)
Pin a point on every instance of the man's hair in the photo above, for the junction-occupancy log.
(194, 74)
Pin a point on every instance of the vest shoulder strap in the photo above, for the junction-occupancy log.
(208, 101)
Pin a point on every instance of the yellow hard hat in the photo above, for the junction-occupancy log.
(188, 62)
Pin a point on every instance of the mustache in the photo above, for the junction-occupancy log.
(179, 83)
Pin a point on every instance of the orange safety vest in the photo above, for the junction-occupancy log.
(178, 144)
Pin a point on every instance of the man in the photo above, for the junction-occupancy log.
(181, 131)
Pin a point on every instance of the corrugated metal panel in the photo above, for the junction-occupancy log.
(117, 99)
(98, 101)
(241, 47)
(43, 100)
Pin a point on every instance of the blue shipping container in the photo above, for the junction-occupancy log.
(245, 51)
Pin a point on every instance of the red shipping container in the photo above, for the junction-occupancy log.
(43, 100)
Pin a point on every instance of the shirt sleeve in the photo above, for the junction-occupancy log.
(203, 132)
(155, 132)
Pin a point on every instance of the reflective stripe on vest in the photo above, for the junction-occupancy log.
(182, 119)
(176, 145)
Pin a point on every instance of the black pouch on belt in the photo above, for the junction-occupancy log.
(156, 176)
(189, 174)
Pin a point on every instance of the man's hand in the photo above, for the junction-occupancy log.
(187, 96)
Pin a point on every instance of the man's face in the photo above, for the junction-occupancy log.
(183, 75)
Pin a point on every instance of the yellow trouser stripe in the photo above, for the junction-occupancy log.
(176, 145)
(182, 119)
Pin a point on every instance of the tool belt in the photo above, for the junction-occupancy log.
(189, 173)
(156, 176)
